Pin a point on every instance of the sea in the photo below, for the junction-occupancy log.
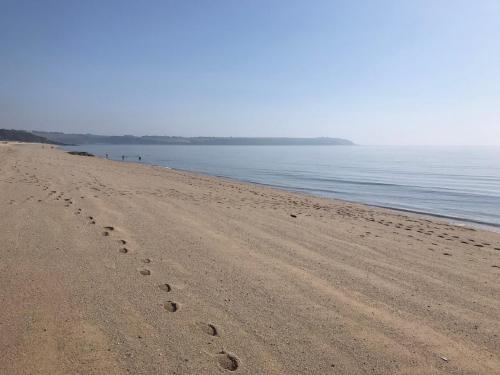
(460, 184)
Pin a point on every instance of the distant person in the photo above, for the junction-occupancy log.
(123, 157)
(140, 158)
(107, 157)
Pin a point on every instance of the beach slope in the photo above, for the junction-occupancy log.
(116, 268)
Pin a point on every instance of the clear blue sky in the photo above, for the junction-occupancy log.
(376, 72)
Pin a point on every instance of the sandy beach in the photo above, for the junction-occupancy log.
(121, 268)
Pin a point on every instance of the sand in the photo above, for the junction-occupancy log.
(117, 268)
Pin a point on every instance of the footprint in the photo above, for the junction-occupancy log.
(228, 361)
(145, 272)
(109, 228)
(165, 287)
(147, 260)
(209, 329)
(123, 250)
(123, 242)
(171, 306)
(105, 234)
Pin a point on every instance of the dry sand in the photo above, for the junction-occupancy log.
(218, 276)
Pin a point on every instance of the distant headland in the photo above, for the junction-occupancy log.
(89, 139)
(83, 139)
(12, 135)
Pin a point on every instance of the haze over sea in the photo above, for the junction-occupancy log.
(459, 183)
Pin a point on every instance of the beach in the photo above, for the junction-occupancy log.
(122, 268)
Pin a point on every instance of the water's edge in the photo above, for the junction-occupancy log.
(458, 221)
(447, 218)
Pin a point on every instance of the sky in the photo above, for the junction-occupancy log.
(424, 72)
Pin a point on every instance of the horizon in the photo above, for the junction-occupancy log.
(419, 74)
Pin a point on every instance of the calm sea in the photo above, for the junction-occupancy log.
(458, 183)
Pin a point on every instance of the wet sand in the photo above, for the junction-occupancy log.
(115, 268)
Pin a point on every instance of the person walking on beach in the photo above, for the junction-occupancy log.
(107, 156)
(123, 157)
(140, 158)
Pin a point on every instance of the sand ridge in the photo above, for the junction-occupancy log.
(114, 268)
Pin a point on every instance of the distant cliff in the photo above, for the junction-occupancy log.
(82, 139)
(24, 136)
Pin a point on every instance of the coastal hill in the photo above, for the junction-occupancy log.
(24, 136)
(82, 139)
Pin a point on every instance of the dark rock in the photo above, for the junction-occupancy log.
(80, 153)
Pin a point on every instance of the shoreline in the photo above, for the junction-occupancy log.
(114, 268)
(456, 221)
(466, 223)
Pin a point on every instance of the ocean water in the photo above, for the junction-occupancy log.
(458, 183)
